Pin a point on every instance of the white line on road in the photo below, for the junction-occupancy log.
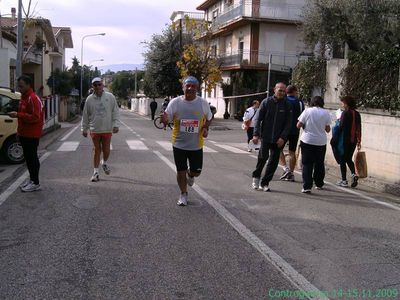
(230, 148)
(68, 146)
(69, 133)
(136, 145)
(11, 189)
(294, 277)
(168, 146)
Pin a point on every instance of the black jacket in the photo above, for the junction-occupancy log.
(273, 120)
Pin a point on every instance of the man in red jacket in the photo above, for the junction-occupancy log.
(30, 125)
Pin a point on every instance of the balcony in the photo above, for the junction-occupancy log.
(246, 59)
(265, 10)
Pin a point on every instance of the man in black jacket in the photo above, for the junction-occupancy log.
(273, 125)
(153, 108)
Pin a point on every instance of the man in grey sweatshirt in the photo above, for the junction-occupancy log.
(101, 117)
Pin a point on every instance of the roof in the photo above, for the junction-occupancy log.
(206, 4)
(7, 22)
(67, 34)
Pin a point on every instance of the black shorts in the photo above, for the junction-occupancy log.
(293, 139)
(195, 158)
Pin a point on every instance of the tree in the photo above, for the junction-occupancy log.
(75, 71)
(123, 83)
(61, 82)
(163, 51)
(198, 61)
(362, 24)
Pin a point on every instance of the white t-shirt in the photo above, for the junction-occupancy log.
(315, 119)
(250, 113)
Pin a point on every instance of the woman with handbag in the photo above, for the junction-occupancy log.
(350, 127)
(248, 121)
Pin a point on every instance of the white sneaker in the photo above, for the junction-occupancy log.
(31, 187)
(343, 183)
(189, 180)
(265, 188)
(256, 183)
(182, 200)
(25, 183)
(319, 188)
(95, 177)
(106, 169)
(306, 191)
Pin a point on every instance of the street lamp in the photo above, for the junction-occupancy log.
(90, 65)
(83, 38)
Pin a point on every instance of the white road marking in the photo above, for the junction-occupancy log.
(142, 139)
(69, 133)
(68, 146)
(136, 145)
(230, 148)
(11, 189)
(294, 277)
(168, 146)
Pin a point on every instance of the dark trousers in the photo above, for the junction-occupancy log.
(348, 159)
(250, 132)
(30, 146)
(268, 152)
(313, 160)
(153, 113)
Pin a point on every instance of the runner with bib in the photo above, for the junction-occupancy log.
(191, 116)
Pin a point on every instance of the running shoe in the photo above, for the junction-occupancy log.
(25, 183)
(256, 183)
(343, 183)
(190, 180)
(306, 191)
(106, 169)
(354, 180)
(31, 187)
(95, 177)
(182, 199)
(320, 188)
(265, 188)
(289, 177)
(285, 174)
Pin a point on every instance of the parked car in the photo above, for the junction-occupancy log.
(9, 146)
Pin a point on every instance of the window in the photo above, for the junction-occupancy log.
(7, 105)
(215, 14)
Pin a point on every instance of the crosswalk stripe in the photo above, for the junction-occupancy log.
(68, 146)
(136, 145)
(231, 149)
(168, 146)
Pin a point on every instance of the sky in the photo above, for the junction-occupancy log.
(127, 24)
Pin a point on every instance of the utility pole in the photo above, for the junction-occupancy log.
(19, 41)
(136, 83)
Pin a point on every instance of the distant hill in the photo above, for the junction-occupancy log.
(121, 67)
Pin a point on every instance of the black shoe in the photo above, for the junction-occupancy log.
(354, 181)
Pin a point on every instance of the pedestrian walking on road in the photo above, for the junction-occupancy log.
(30, 124)
(315, 122)
(293, 138)
(153, 108)
(249, 120)
(350, 127)
(272, 126)
(191, 116)
(100, 117)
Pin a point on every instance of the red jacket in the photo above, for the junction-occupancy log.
(30, 115)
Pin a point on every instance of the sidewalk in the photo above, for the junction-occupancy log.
(9, 171)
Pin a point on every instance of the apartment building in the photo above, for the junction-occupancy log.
(257, 43)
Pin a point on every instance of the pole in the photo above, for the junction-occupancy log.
(19, 41)
(136, 83)
(1, 33)
(269, 73)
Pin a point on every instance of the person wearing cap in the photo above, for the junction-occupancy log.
(101, 117)
(191, 116)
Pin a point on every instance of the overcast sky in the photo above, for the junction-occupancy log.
(126, 23)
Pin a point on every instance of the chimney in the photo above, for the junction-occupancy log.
(13, 13)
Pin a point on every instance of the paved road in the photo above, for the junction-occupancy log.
(125, 238)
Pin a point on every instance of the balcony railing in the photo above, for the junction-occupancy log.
(265, 10)
(280, 61)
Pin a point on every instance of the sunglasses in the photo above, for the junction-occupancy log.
(97, 84)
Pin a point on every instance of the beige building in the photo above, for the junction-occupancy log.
(257, 42)
(43, 50)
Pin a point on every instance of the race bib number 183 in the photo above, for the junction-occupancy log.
(190, 126)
